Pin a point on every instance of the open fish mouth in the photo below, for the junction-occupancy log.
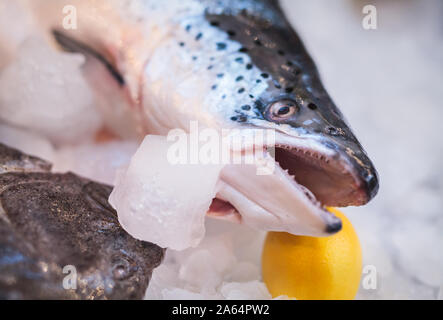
(329, 178)
(308, 177)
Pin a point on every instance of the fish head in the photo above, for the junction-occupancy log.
(318, 160)
(241, 65)
(315, 144)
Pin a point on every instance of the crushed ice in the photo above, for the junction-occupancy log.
(399, 231)
(44, 91)
(163, 203)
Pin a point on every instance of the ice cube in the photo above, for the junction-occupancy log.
(26, 141)
(220, 249)
(202, 270)
(181, 294)
(97, 161)
(162, 202)
(244, 272)
(164, 277)
(199, 272)
(43, 90)
(16, 24)
(253, 290)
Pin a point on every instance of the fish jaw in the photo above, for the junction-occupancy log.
(337, 171)
(309, 174)
(272, 202)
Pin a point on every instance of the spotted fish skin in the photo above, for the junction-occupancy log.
(223, 63)
(273, 46)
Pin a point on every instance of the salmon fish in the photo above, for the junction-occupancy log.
(227, 64)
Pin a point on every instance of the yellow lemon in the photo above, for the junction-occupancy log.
(313, 268)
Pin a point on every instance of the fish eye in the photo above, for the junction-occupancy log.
(283, 109)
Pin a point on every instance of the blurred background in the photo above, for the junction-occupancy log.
(389, 84)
